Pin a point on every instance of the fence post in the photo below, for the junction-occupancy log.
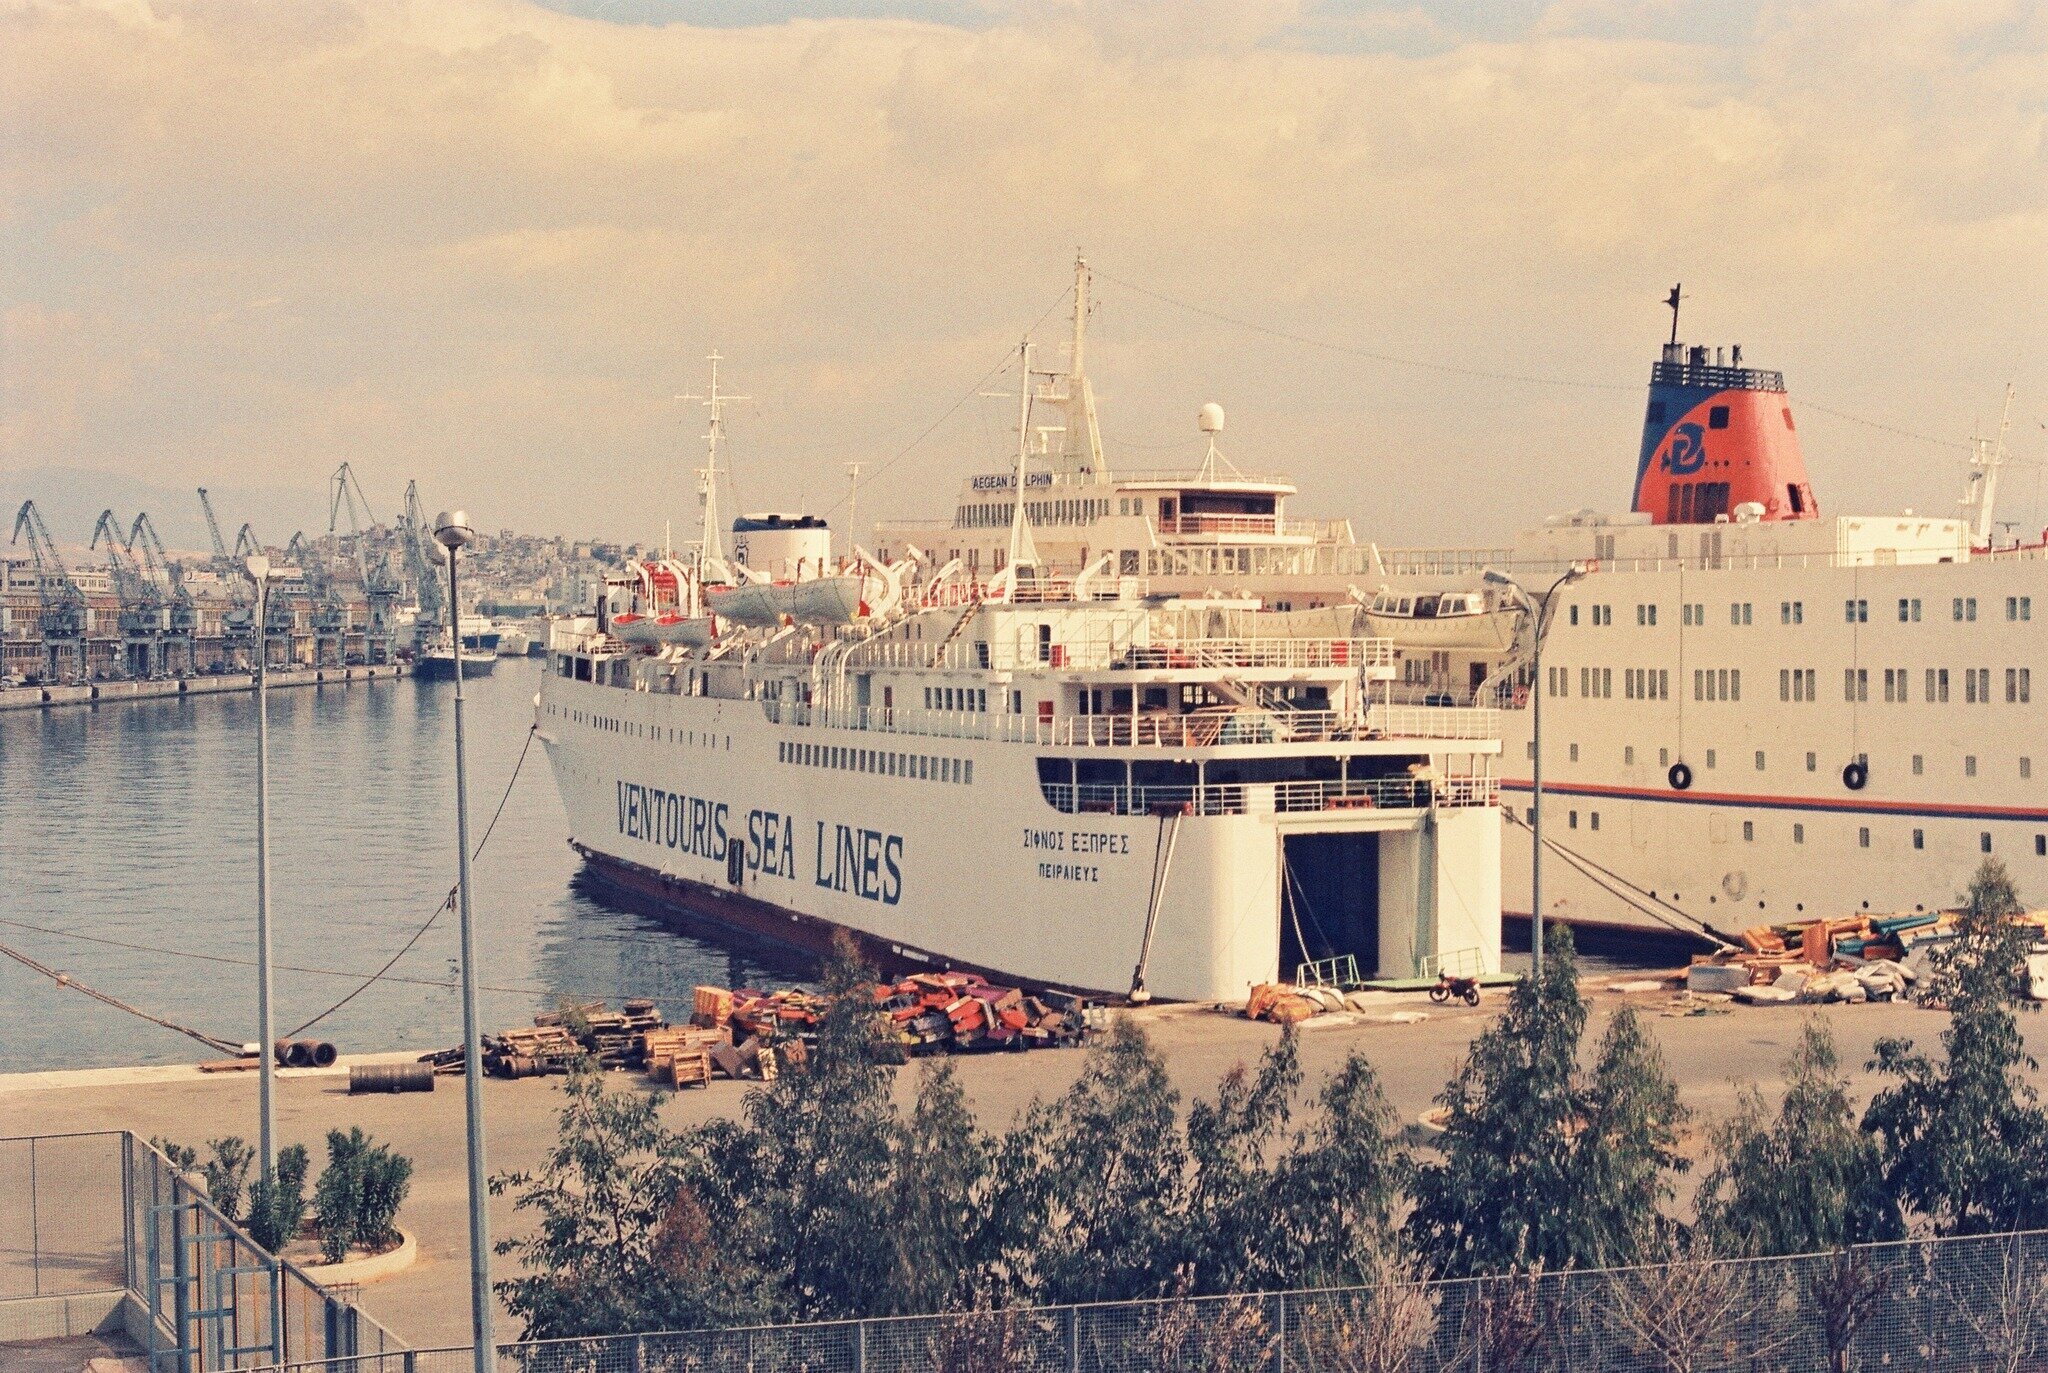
(181, 1280)
(128, 1264)
(1073, 1339)
(860, 1347)
(639, 1354)
(35, 1225)
(277, 1332)
(1279, 1332)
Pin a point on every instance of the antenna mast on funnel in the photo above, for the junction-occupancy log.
(1672, 300)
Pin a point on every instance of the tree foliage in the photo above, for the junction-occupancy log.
(1804, 1180)
(1541, 1166)
(1966, 1139)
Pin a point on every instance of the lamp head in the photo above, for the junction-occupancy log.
(259, 567)
(451, 529)
(1494, 576)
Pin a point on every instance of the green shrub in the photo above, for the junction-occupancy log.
(359, 1193)
(225, 1173)
(277, 1210)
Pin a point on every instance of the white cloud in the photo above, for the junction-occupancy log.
(485, 243)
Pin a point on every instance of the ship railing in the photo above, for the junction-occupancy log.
(1192, 478)
(1434, 722)
(1269, 526)
(1116, 650)
(1221, 728)
(1279, 798)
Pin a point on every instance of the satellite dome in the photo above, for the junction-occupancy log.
(1212, 418)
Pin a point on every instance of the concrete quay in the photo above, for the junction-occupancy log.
(1711, 1056)
(106, 693)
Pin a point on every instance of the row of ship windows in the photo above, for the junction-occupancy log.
(999, 515)
(1799, 832)
(958, 698)
(880, 762)
(1796, 684)
(1855, 611)
(612, 724)
(1919, 761)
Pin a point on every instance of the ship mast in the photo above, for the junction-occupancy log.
(1980, 493)
(1080, 397)
(1023, 548)
(711, 550)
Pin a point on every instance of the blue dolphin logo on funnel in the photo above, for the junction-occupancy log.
(1688, 450)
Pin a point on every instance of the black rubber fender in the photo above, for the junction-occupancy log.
(1680, 777)
(1855, 776)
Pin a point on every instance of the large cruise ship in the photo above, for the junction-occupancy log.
(1753, 711)
(1064, 778)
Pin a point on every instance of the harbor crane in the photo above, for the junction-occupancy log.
(142, 610)
(329, 614)
(61, 611)
(181, 612)
(238, 619)
(422, 563)
(381, 589)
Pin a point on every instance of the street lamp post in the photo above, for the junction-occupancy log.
(1540, 610)
(266, 1068)
(452, 531)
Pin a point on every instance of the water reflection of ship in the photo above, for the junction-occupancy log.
(653, 951)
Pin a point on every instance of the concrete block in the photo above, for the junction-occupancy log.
(1716, 977)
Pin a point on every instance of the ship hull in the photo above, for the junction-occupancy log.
(438, 668)
(700, 905)
(947, 850)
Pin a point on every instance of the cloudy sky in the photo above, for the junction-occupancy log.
(487, 243)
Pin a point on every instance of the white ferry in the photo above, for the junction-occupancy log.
(1752, 712)
(1069, 780)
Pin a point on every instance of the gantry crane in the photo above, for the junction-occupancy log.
(181, 614)
(61, 613)
(381, 589)
(142, 609)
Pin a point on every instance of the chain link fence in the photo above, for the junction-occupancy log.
(1934, 1306)
(102, 1231)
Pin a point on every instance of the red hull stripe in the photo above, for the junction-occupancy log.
(1841, 806)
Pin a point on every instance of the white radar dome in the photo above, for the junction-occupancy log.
(1212, 418)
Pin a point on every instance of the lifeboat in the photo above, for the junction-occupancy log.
(669, 628)
(751, 604)
(812, 601)
(1442, 620)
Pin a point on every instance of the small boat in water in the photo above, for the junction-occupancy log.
(436, 662)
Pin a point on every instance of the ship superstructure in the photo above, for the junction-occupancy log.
(1065, 779)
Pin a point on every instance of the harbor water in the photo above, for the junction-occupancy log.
(128, 835)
